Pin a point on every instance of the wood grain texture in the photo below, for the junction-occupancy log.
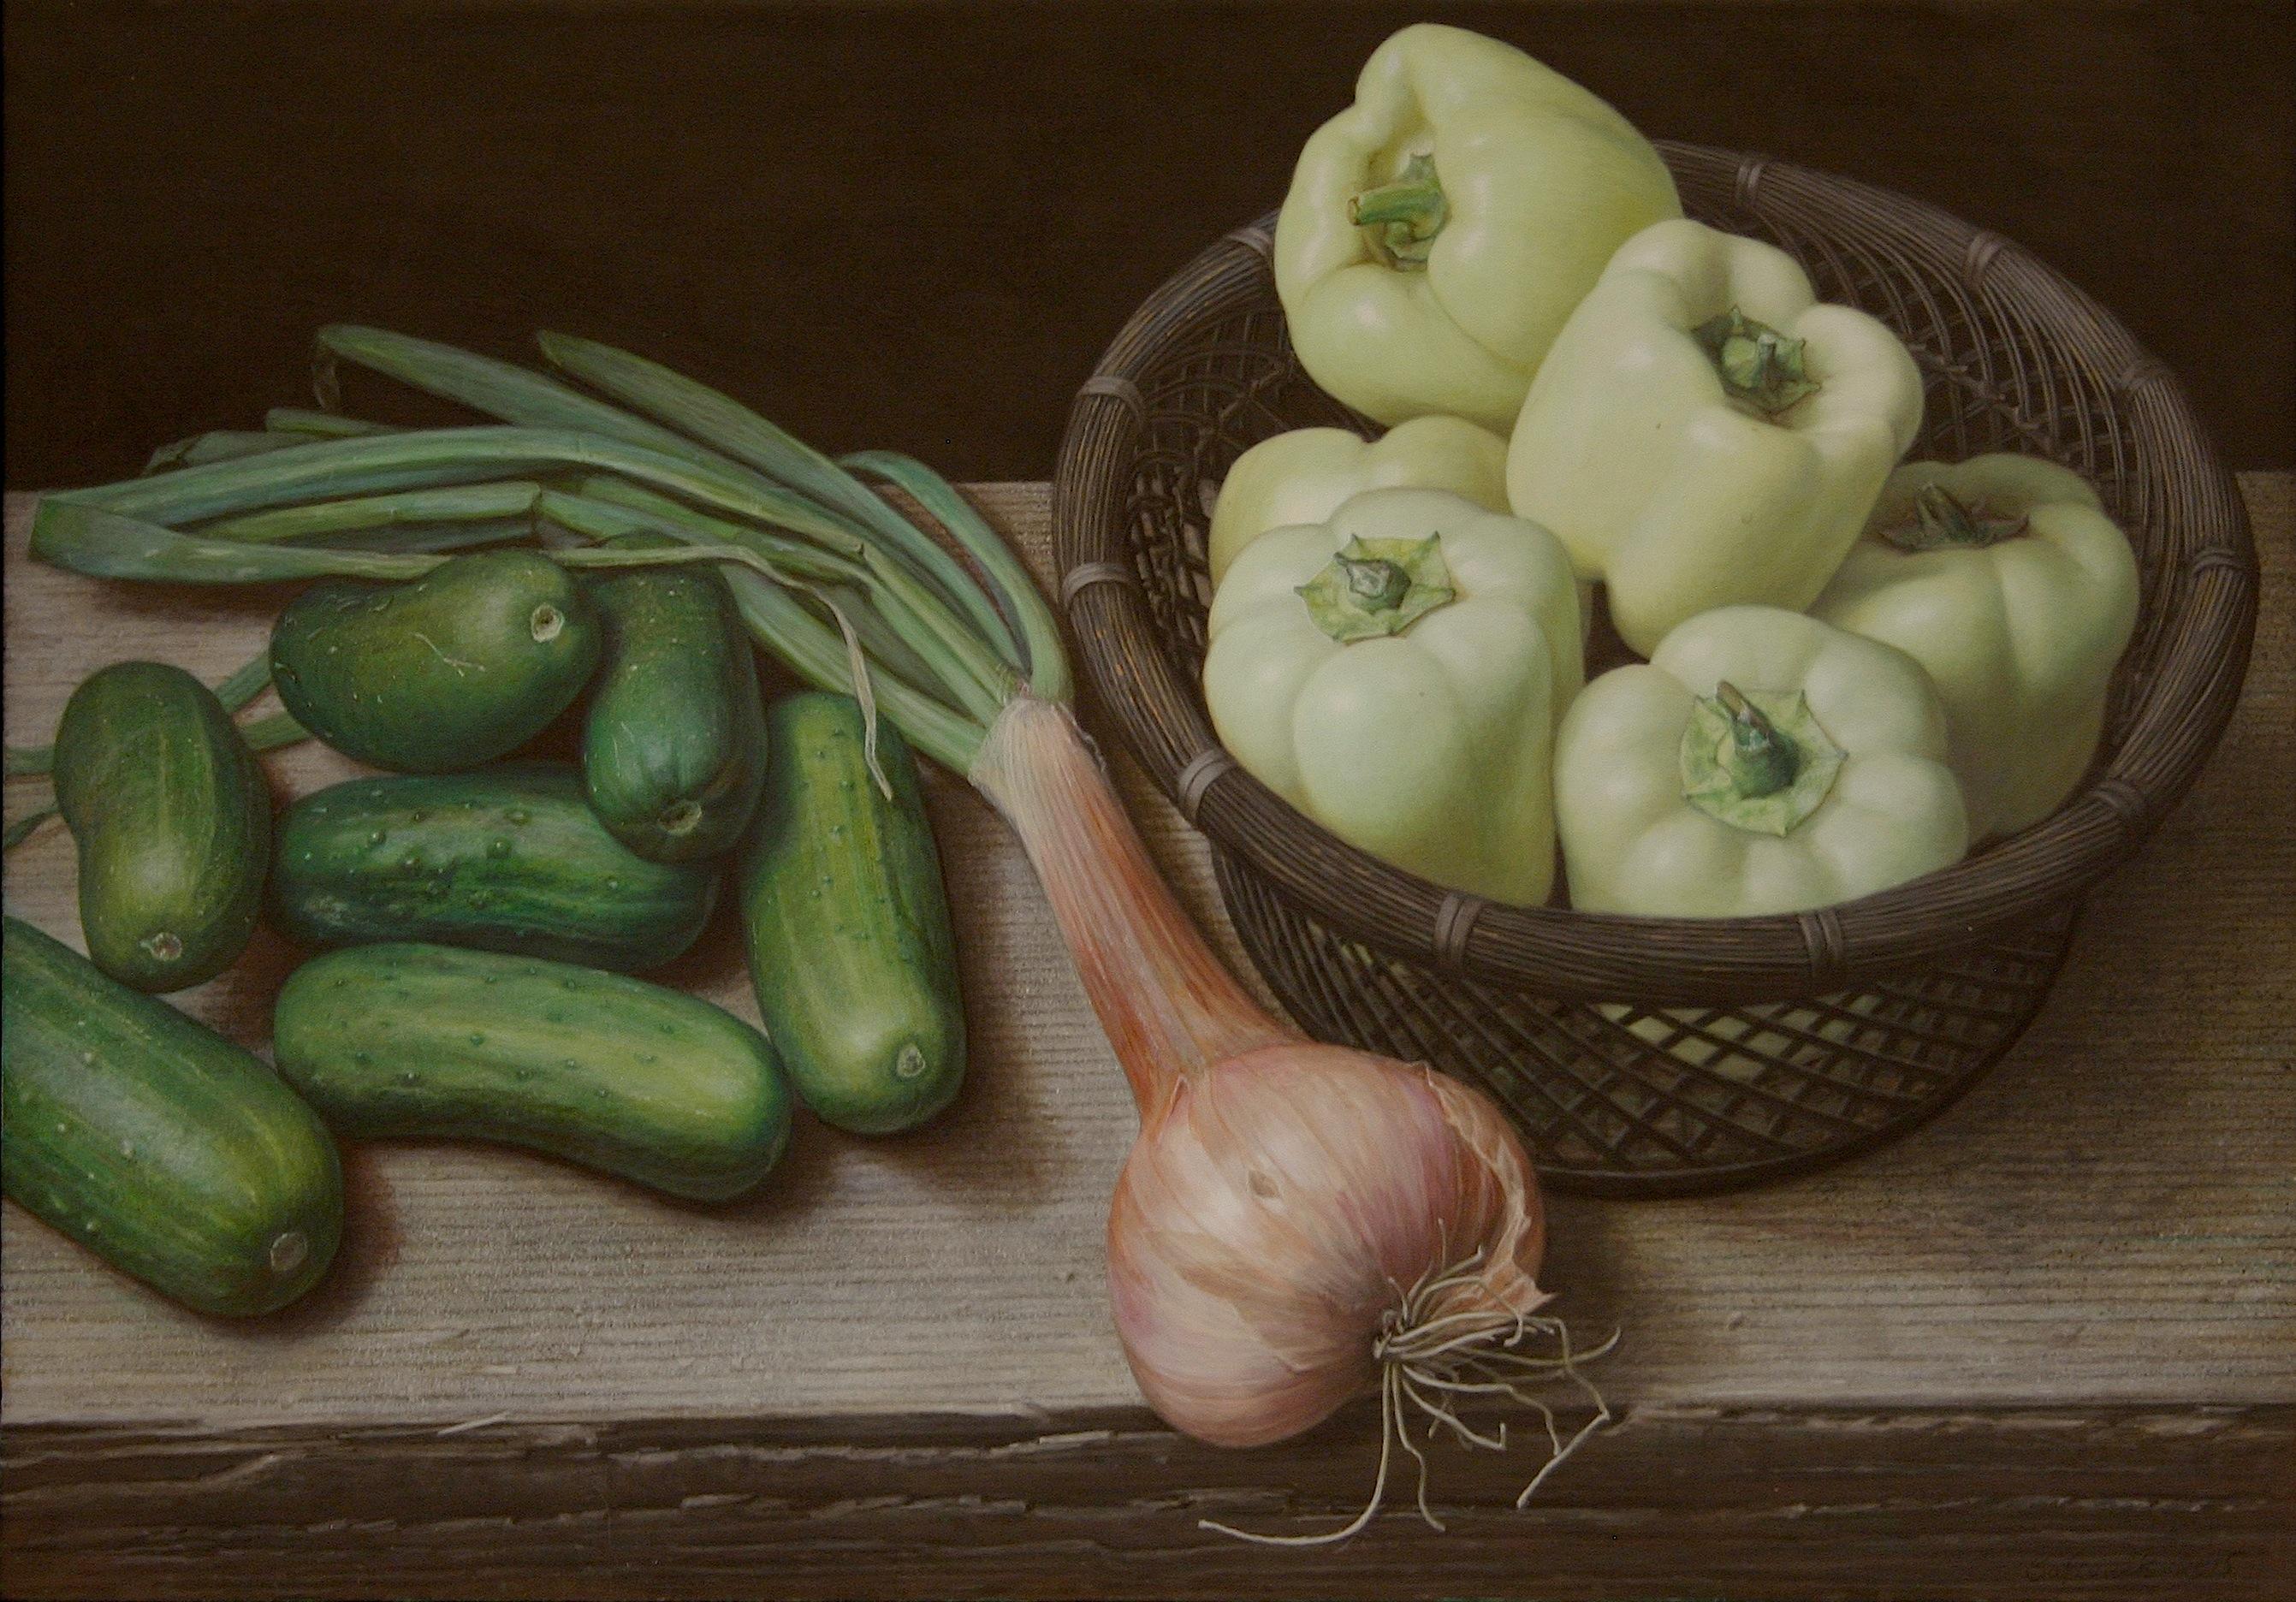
(1902, 1504)
(2044, 1346)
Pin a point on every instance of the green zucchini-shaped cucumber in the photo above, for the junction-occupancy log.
(160, 1145)
(172, 820)
(604, 1071)
(848, 924)
(507, 858)
(456, 668)
(674, 742)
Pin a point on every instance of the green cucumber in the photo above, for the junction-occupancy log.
(461, 665)
(673, 742)
(172, 819)
(848, 924)
(607, 1071)
(508, 858)
(158, 1145)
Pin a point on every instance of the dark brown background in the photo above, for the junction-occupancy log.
(917, 225)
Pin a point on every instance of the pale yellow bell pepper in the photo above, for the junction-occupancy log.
(1705, 432)
(1302, 477)
(2004, 577)
(1439, 230)
(1397, 673)
(1761, 761)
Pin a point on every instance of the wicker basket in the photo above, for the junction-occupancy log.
(1649, 1056)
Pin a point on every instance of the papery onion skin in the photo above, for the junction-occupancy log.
(1285, 1199)
(1274, 1213)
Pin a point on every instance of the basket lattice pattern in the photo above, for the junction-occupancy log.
(1621, 1099)
(1653, 1055)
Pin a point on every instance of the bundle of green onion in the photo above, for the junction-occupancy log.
(827, 571)
(1281, 1193)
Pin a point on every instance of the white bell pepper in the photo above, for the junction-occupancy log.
(1397, 673)
(2004, 577)
(1705, 432)
(1761, 761)
(1439, 230)
(1302, 476)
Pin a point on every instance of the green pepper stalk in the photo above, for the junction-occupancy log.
(1759, 367)
(1405, 214)
(1943, 522)
(1759, 762)
(1762, 762)
(1374, 587)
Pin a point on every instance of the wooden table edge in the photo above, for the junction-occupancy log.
(1888, 1501)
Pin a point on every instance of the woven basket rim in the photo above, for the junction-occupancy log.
(1566, 952)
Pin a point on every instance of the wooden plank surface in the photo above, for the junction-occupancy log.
(2057, 1325)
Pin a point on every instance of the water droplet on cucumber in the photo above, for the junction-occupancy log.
(288, 1251)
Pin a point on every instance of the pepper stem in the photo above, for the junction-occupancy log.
(1759, 762)
(1406, 214)
(1375, 586)
(1943, 521)
(1762, 761)
(1759, 367)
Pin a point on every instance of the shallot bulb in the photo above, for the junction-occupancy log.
(1298, 1223)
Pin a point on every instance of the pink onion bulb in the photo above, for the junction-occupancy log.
(1298, 1223)
(1275, 1215)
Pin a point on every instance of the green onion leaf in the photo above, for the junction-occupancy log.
(223, 445)
(721, 421)
(499, 389)
(325, 425)
(1014, 587)
(21, 829)
(110, 545)
(410, 520)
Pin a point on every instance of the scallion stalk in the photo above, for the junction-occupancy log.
(21, 830)
(720, 420)
(328, 425)
(413, 521)
(220, 445)
(1014, 590)
(434, 457)
(608, 506)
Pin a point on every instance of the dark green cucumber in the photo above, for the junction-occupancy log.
(508, 858)
(848, 924)
(611, 1073)
(456, 668)
(172, 820)
(674, 744)
(158, 1145)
